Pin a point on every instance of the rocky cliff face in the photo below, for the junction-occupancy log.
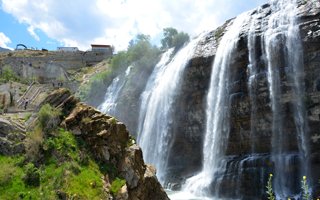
(12, 136)
(48, 66)
(110, 144)
(241, 167)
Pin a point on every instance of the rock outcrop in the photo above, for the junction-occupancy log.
(11, 138)
(110, 143)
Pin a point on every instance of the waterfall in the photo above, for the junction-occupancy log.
(156, 108)
(283, 51)
(113, 91)
(217, 115)
(253, 71)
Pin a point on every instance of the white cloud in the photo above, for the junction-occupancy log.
(4, 41)
(32, 32)
(81, 22)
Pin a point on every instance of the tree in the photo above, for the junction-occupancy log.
(140, 47)
(139, 38)
(180, 39)
(173, 38)
(168, 34)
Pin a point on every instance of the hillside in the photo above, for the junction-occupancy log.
(4, 49)
(68, 150)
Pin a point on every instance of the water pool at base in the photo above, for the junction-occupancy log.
(182, 195)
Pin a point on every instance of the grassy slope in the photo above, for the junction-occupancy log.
(66, 168)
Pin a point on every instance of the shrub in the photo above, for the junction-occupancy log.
(113, 121)
(64, 144)
(49, 118)
(95, 87)
(269, 188)
(27, 117)
(33, 144)
(8, 74)
(305, 189)
(141, 54)
(116, 185)
(32, 175)
(6, 173)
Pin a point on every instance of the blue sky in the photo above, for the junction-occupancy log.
(17, 33)
(52, 23)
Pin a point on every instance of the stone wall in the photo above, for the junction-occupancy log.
(48, 66)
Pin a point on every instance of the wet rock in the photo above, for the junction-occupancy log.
(249, 134)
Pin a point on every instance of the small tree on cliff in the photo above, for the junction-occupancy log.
(173, 38)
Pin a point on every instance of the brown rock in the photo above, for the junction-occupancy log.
(109, 142)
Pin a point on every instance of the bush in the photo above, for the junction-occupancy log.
(141, 54)
(33, 144)
(94, 89)
(49, 118)
(7, 74)
(116, 185)
(6, 173)
(32, 175)
(27, 117)
(119, 61)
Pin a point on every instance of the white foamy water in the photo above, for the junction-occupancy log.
(155, 116)
(113, 91)
(217, 115)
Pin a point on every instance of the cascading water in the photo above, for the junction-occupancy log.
(156, 108)
(252, 66)
(217, 115)
(283, 50)
(113, 91)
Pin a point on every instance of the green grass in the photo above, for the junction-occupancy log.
(116, 185)
(11, 179)
(87, 184)
(27, 116)
(62, 171)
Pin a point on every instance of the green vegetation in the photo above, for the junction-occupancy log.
(219, 33)
(7, 74)
(269, 188)
(32, 175)
(131, 141)
(173, 38)
(305, 195)
(57, 165)
(95, 84)
(113, 121)
(33, 144)
(305, 189)
(116, 185)
(142, 55)
(48, 118)
(27, 117)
